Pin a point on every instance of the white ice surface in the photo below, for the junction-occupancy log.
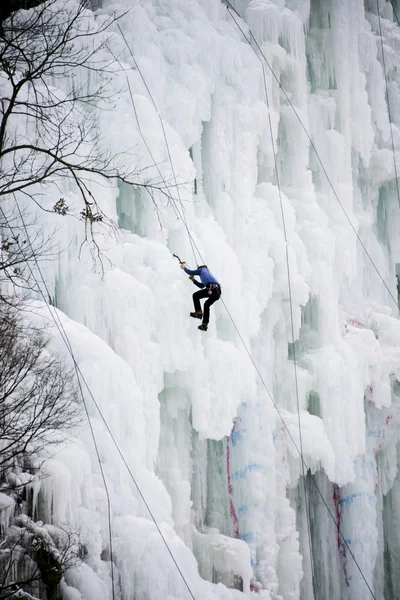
(171, 395)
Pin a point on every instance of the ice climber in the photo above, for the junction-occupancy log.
(210, 289)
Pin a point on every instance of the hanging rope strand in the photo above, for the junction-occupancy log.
(270, 395)
(80, 377)
(306, 503)
(394, 12)
(178, 213)
(307, 468)
(248, 39)
(64, 337)
(164, 135)
(183, 217)
(388, 101)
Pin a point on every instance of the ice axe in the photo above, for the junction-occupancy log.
(181, 261)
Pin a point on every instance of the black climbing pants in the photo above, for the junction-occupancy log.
(205, 293)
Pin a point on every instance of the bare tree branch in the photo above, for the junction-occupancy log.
(48, 133)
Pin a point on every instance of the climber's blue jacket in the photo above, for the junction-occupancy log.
(205, 275)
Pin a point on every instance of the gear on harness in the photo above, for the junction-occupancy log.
(214, 286)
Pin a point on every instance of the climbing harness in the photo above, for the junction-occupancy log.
(211, 287)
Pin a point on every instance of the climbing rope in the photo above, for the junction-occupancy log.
(155, 163)
(387, 99)
(183, 217)
(80, 377)
(394, 12)
(306, 502)
(163, 131)
(304, 464)
(251, 38)
(64, 336)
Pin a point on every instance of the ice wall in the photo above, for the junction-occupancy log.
(212, 457)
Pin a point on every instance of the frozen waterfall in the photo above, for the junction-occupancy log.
(210, 453)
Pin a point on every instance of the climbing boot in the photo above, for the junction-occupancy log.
(196, 315)
(203, 327)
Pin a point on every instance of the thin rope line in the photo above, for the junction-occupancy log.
(270, 395)
(388, 101)
(144, 139)
(78, 370)
(163, 130)
(269, 116)
(245, 346)
(66, 340)
(230, 9)
(302, 459)
(258, 372)
(264, 386)
(188, 231)
(306, 502)
(291, 322)
(298, 451)
(394, 12)
(291, 437)
(278, 411)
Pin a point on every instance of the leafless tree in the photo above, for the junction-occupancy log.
(34, 558)
(23, 244)
(38, 404)
(48, 131)
(10, 6)
(38, 396)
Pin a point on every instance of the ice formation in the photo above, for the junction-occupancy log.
(213, 459)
